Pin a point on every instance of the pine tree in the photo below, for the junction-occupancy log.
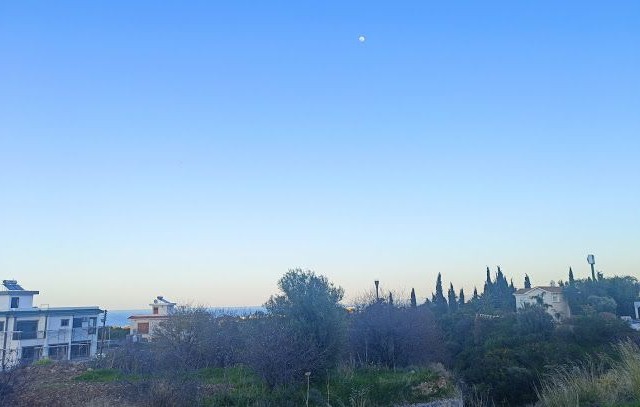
(414, 302)
(527, 281)
(461, 297)
(571, 280)
(453, 304)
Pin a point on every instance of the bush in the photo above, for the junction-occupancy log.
(131, 358)
(391, 336)
(279, 353)
(168, 391)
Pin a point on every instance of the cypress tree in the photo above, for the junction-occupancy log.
(453, 304)
(527, 281)
(461, 297)
(439, 293)
(414, 302)
(571, 280)
(439, 302)
(475, 293)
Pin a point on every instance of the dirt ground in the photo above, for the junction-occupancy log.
(54, 385)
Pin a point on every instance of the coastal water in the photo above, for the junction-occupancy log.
(120, 317)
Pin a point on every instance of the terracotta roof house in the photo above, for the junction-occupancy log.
(550, 297)
(142, 326)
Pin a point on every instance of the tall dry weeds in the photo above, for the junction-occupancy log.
(602, 381)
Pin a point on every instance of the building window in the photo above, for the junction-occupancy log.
(77, 322)
(555, 298)
(1, 325)
(15, 301)
(64, 322)
(155, 310)
(26, 330)
(143, 327)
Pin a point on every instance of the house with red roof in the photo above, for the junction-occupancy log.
(142, 326)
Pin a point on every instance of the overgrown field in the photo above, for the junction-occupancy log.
(63, 384)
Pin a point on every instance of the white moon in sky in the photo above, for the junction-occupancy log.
(362, 38)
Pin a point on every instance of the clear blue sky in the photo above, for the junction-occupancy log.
(200, 149)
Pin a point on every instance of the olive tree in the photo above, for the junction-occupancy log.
(306, 310)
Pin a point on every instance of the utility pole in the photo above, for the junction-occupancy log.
(104, 323)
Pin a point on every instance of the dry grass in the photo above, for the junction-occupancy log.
(595, 382)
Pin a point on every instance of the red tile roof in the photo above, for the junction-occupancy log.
(150, 316)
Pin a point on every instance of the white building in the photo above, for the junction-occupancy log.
(142, 326)
(29, 333)
(550, 298)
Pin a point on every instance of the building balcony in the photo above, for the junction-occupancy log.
(53, 336)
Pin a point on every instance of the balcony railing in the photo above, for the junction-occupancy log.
(54, 336)
(24, 335)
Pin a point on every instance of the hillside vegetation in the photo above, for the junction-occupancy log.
(308, 349)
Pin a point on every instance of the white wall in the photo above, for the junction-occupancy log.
(26, 301)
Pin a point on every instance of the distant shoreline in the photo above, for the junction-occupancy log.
(120, 318)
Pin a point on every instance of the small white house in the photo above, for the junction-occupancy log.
(142, 326)
(29, 333)
(549, 297)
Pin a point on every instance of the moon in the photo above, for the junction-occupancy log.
(362, 38)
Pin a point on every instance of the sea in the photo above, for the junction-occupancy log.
(121, 317)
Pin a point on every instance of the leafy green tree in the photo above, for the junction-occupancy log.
(310, 305)
(602, 304)
(623, 290)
